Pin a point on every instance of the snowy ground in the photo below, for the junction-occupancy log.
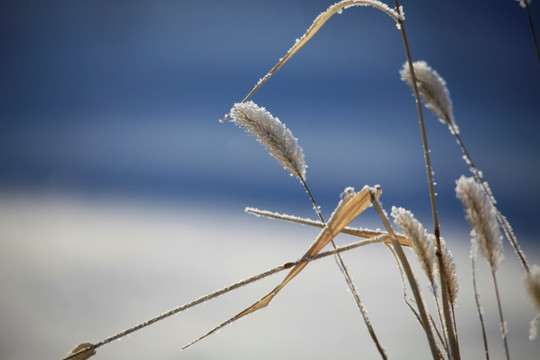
(76, 270)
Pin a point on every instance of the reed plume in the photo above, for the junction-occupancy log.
(433, 91)
(482, 217)
(436, 97)
(273, 134)
(421, 241)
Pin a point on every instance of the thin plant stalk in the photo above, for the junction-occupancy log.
(529, 18)
(374, 240)
(363, 233)
(454, 349)
(501, 316)
(347, 276)
(477, 300)
(351, 205)
(435, 352)
(502, 220)
(283, 146)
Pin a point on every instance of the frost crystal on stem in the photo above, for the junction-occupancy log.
(482, 217)
(273, 134)
(433, 91)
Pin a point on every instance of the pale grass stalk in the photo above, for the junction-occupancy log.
(86, 348)
(283, 146)
(452, 339)
(413, 310)
(435, 351)
(485, 230)
(477, 298)
(525, 4)
(348, 279)
(351, 205)
(452, 285)
(354, 231)
(487, 191)
(434, 92)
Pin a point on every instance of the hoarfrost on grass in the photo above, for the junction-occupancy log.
(422, 242)
(433, 91)
(482, 217)
(273, 134)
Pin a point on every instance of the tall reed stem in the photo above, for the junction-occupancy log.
(477, 300)
(410, 276)
(502, 220)
(454, 348)
(377, 239)
(501, 317)
(529, 17)
(348, 279)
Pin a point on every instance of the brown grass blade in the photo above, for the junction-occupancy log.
(359, 232)
(351, 205)
(314, 28)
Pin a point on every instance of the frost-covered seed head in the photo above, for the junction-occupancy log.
(452, 283)
(533, 286)
(273, 134)
(421, 242)
(483, 220)
(433, 91)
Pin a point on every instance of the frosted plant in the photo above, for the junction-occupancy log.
(437, 98)
(273, 134)
(533, 288)
(483, 220)
(433, 91)
(283, 146)
(452, 283)
(317, 24)
(485, 233)
(350, 206)
(523, 3)
(421, 242)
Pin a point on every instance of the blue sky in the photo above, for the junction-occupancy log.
(121, 100)
(124, 98)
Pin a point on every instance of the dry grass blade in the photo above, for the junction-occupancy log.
(82, 352)
(314, 28)
(351, 205)
(364, 233)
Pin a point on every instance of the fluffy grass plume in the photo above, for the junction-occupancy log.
(452, 281)
(421, 242)
(433, 91)
(273, 134)
(483, 220)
